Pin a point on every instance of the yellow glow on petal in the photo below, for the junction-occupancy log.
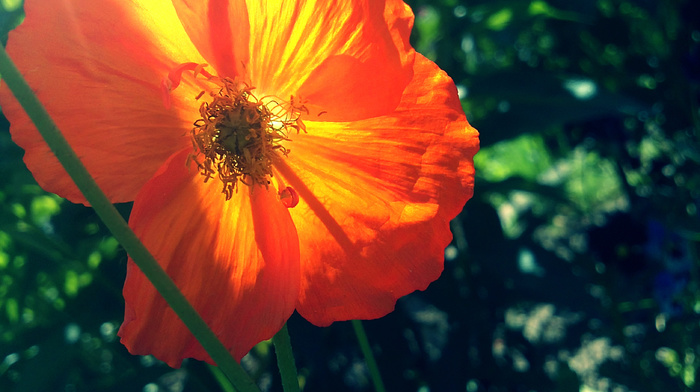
(279, 41)
(412, 213)
(160, 20)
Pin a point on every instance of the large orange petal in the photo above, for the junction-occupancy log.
(376, 198)
(236, 261)
(220, 30)
(350, 59)
(97, 66)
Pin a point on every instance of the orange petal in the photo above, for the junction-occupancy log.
(350, 59)
(236, 261)
(376, 197)
(97, 66)
(220, 30)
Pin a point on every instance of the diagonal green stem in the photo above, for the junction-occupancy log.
(220, 378)
(369, 356)
(119, 228)
(285, 360)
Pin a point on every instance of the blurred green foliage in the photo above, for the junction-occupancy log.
(575, 266)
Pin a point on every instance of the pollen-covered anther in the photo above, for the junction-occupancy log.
(238, 136)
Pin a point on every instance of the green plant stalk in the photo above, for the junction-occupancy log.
(285, 360)
(369, 356)
(119, 228)
(220, 378)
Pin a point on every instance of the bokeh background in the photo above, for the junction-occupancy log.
(573, 268)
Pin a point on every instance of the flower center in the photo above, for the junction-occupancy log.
(238, 137)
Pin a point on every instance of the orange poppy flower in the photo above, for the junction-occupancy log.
(314, 163)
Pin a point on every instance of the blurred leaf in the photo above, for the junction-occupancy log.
(11, 5)
(44, 207)
(525, 156)
(12, 310)
(525, 102)
(11, 15)
(539, 7)
(500, 19)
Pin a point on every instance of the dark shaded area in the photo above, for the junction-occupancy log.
(574, 267)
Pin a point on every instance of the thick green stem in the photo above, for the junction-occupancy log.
(119, 228)
(285, 360)
(369, 356)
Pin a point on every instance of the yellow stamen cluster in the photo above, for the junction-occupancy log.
(238, 136)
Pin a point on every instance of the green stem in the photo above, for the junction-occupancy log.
(119, 228)
(369, 356)
(220, 378)
(285, 360)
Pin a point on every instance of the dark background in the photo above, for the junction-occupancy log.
(573, 268)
